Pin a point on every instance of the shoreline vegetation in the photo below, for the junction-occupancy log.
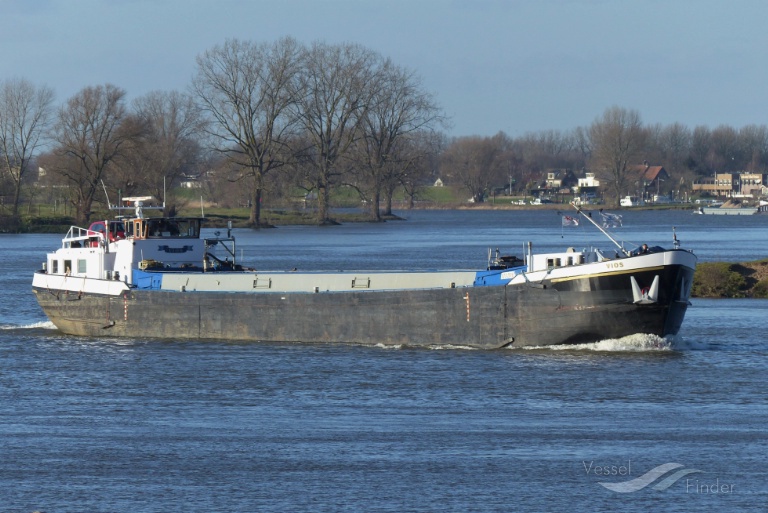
(731, 280)
(711, 280)
(45, 218)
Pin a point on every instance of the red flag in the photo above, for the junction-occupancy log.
(570, 221)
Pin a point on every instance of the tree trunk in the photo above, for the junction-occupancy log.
(322, 205)
(255, 214)
(16, 197)
(388, 201)
(323, 200)
(375, 210)
(255, 199)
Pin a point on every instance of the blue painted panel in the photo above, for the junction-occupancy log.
(147, 281)
(493, 278)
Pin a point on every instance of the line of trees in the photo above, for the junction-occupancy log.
(267, 117)
(611, 146)
(262, 121)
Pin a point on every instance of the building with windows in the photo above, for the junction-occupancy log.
(649, 179)
(557, 180)
(730, 185)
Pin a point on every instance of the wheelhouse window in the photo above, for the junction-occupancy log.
(173, 228)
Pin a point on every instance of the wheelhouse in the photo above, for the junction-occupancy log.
(163, 228)
(114, 230)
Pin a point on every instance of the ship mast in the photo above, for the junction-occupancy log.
(589, 218)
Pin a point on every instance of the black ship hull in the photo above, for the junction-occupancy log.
(577, 309)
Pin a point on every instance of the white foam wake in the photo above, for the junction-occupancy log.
(389, 346)
(639, 342)
(48, 325)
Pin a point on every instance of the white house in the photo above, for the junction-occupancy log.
(589, 180)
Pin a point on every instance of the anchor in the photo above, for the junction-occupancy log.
(645, 296)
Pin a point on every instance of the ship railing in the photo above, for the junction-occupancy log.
(82, 237)
(227, 244)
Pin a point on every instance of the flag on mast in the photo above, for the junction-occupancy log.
(570, 221)
(610, 220)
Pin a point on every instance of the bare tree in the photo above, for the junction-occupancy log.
(510, 163)
(398, 109)
(671, 146)
(473, 162)
(701, 141)
(726, 153)
(581, 143)
(247, 90)
(92, 130)
(617, 140)
(336, 91)
(675, 144)
(169, 148)
(25, 113)
(754, 142)
(418, 164)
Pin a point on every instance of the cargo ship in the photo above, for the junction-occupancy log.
(157, 277)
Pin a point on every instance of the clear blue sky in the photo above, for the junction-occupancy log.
(512, 65)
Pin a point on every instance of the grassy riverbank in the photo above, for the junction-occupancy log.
(214, 218)
(731, 280)
(41, 217)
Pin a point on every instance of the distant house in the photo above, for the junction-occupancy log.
(191, 181)
(557, 182)
(649, 178)
(560, 179)
(587, 187)
(751, 184)
(731, 184)
(589, 181)
(191, 184)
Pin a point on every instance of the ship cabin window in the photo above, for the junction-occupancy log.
(173, 228)
(67, 267)
(554, 262)
(81, 266)
(115, 231)
(138, 228)
(55, 266)
(575, 260)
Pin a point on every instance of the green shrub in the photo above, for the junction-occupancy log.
(49, 221)
(10, 224)
(718, 279)
(760, 290)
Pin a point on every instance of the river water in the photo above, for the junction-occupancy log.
(134, 425)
